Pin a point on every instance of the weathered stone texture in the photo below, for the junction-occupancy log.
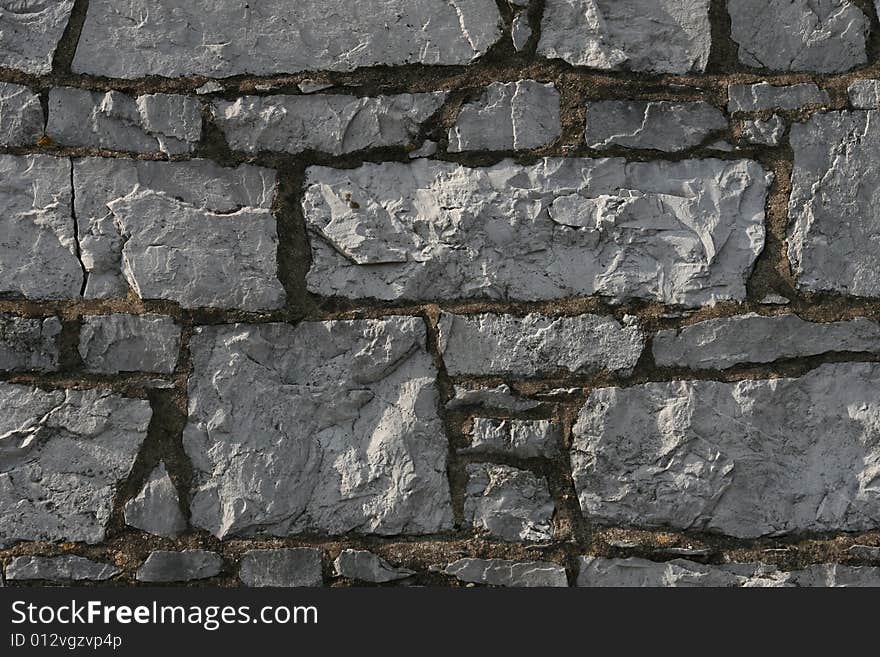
(834, 575)
(633, 572)
(658, 125)
(501, 572)
(294, 567)
(508, 504)
(220, 38)
(763, 95)
(824, 36)
(864, 94)
(367, 567)
(31, 31)
(329, 426)
(330, 123)
(156, 508)
(678, 232)
(658, 36)
(728, 341)
(501, 397)
(521, 438)
(747, 459)
(152, 123)
(29, 344)
(21, 114)
(129, 343)
(59, 569)
(508, 116)
(761, 132)
(62, 455)
(188, 565)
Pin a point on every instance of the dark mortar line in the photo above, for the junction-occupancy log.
(723, 50)
(66, 48)
(535, 13)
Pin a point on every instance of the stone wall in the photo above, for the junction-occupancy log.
(547, 292)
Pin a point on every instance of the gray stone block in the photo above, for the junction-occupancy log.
(21, 114)
(501, 572)
(766, 133)
(156, 508)
(31, 31)
(292, 567)
(525, 439)
(634, 572)
(185, 566)
(29, 344)
(368, 567)
(763, 95)
(864, 94)
(508, 504)
(59, 569)
(129, 343)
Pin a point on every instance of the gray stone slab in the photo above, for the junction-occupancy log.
(59, 569)
(365, 566)
(864, 94)
(834, 575)
(21, 114)
(129, 343)
(156, 507)
(763, 96)
(764, 132)
(525, 439)
(500, 397)
(29, 344)
(290, 567)
(501, 572)
(185, 566)
(507, 503)
(634, 572)
(31, 31)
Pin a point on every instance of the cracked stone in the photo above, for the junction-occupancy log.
(659, 36)
(658, 125)
(634, 572)
(508, 503)
(327, 426)
(21, 114)
(751, 338)
(58, 569)
(62, 455)
(520, 31)
(166, 123)
(763, 96)
(37, 229)
(682, 232)
(767, 133)
(864, 94)
(822, 36)
(129, 343)
(500, 397)
(508, 116)
(330, 123)
(29, 344)
(291, 567)
(833, 208)
(185, 566)
(31, 31)
(746, 459)
(367, 567)
(220, 250)
(218, 38)
(488, 344)
(501, 572)
(521, 438)
(156, 508)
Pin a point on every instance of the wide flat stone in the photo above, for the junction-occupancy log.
(21, 114)
(156, 507)
(521, 438)
(500, 397)
(185, 566)
(365, 566)
(58, 569)
(635, 572)
(29, 344)
(763, 95)
(832, 575)
(31, 31)
(129, 343)
(291, 567)
(508, 503)
(678, 232)
(501, 572)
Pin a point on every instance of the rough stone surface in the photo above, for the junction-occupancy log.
(768, 133)
(763, 95)
(864, 94)
(834, 575)
(129, 343)
(634, 572)
(37, 228)
(501, 397)
(329, 426)
(728, 341)
(488, 344)
(865, 552)
(658, 125)
(520, 31)
(220, 250)
(659, 36)
(185, 566)
(62, 455)
(166, 123)
(679, 232)
(747, 459)
(29, 344)
(31, 31)
(21, 114)
(156, 508)
(501, 572)
(508, 116)
(835, 196)
(64, 568)
(521, 438)
(507, 503)
(368, 567)
(220, 38)
(293, 567)
(331, 123)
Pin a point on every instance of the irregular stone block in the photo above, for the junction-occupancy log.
(327, 426)
(864, 94)
(220, 38)
(489, 344)
(751, 338)
(763, 95)
(833, 208)
(62, 455)
(29, 344)
(658, 125)
(520, 31)
(37, 237)
(129, 343)
(185, 566)
(748, 459)
(219, 250)
(525, 439)
(657, 36)
(368, 567)
(501, 397)
(501, 572)
(834, 575)
(156, 508)
(292, 567)
(331, 123)
(508, 116)
(767, 133)
(31, 31)
(865, 552)
(21, 114)
(63, 568)
(677, 232)
(824, 36)
(633, 572)
(508, 503)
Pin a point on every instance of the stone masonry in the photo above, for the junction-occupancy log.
(446, 293)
